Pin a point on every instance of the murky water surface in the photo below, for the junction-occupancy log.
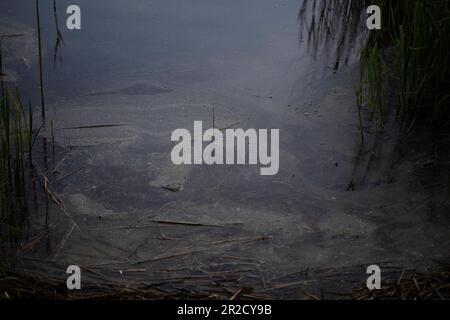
(140, 69)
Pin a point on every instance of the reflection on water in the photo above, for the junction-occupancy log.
(59, 42)
(138, 70)
(181, 41)
(333, 28)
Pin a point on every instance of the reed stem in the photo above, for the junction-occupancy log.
(41, 67)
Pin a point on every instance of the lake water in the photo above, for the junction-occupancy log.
(140, 69)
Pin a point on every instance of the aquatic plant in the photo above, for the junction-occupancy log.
(16, 143)
(405, 65)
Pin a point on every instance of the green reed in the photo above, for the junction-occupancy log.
(16, 142)
(405, 65)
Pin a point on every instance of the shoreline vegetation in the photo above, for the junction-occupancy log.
(22, 182)
(17, 139)
(18, 178)
(404, 67)
(405, 71)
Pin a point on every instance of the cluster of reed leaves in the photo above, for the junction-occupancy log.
(16, 143)
(407, 62)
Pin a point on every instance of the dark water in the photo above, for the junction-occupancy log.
(145, 68)
(214, 42)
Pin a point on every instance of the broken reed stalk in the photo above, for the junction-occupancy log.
(53, 143)
(41, 69)
(44, 279)
(2, 84)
